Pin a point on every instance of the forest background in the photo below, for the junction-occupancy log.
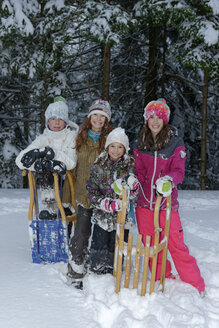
(127, 52)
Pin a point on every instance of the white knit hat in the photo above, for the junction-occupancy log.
(118, 135)
(100, 106)
(58, 109)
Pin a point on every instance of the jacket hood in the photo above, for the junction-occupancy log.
(73, 126)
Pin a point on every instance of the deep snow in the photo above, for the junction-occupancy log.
(36, 296)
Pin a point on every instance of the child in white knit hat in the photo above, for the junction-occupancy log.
(104, 187)
(52, 151)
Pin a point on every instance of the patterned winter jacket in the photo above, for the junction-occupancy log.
(62, 142)
(99, 187)
(152, 165)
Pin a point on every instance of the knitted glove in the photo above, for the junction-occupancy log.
(55, 166)
(163, 186)
(47, 152)
(109, 205)
(30, 157)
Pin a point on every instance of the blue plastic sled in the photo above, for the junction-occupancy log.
(49, 238)
(49, 241)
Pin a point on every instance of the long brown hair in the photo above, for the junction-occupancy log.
(83, 133)
(146, 139)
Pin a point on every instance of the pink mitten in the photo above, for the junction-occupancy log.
(135, 189)
(105, 205)
(116, 205)
(134, 186)
(110, 205)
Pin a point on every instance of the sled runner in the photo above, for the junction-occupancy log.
(49, 238)
(126, 251)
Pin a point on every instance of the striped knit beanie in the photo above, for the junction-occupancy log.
(101, 107)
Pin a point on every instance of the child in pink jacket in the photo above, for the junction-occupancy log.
(160, 165)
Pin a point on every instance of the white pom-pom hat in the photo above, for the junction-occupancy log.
(118, 135)
(58, 109)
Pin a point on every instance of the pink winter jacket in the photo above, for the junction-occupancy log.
(150, 165)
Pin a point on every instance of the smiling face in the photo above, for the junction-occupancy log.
(56, 124)
(155, 124)
(97, 121)
(116, 150)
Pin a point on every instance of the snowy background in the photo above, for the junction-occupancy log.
(36, 296)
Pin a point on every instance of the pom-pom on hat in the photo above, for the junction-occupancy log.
(58, 109)
(159, 108)
(100, 106)
(118, 135)
(59, 98)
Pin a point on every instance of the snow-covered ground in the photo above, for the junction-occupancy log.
(36, 296)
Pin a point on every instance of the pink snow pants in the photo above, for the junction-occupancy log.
(185, 264)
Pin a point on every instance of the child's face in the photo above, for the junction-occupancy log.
(97, 121)
(155, 124)
(116, 150)
(56, 124)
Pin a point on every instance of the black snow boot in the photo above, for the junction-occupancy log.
(78, 284)
(45, 215)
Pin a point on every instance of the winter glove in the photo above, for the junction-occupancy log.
(163, 186)
(40, 165)
(117, 186)
(47, 152)
(133, 185)
(30, 157)
(109, 205)
(55, 166)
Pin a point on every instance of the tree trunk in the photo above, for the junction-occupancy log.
(151, 78)
(164, 62)
(203, 132)
(106, 71)
(26, 135)
(45, 100)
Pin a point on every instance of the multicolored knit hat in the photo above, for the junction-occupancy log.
(159, 108)
(100, 106)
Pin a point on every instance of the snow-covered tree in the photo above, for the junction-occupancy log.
(126, 51)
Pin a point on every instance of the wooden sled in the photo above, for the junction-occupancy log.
(126, 251)
(49, 238)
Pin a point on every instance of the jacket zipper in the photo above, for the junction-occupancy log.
(152, 180)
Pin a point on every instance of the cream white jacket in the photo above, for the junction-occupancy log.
(62, 142)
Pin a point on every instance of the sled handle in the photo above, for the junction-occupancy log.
(58, 198)
(33, 194)
(166, 236)
(71, 183)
